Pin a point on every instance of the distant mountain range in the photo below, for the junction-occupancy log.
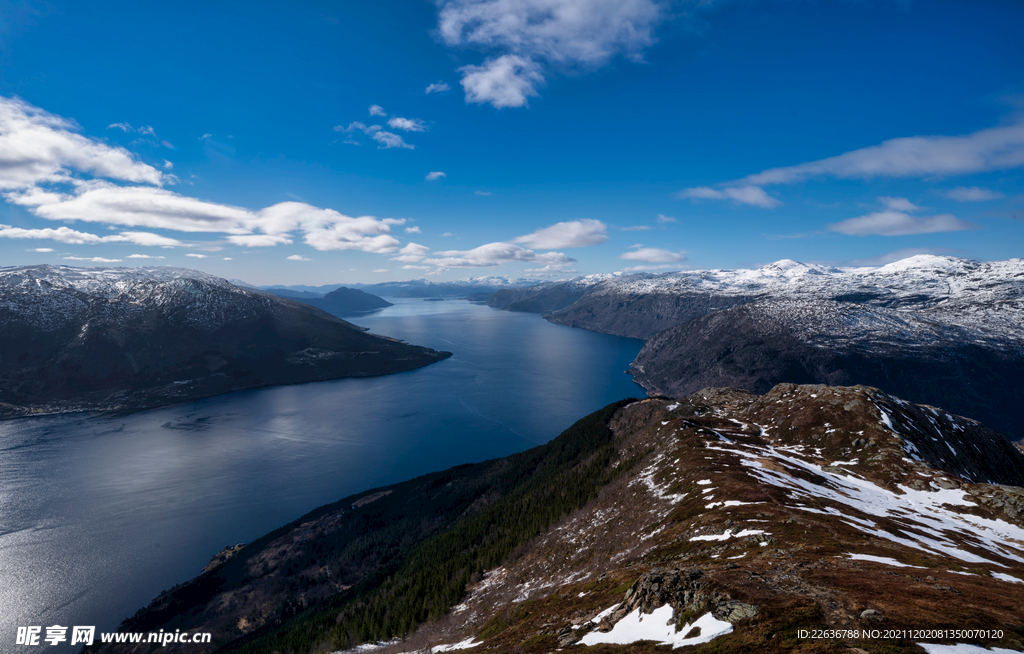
(939, 330)
(130, 338)
(723, 516)
(418, 288)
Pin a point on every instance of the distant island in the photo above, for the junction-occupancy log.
(104, 339)
(341, 302)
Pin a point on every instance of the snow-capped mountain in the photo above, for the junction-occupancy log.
(940, 330)
(722, 516)
(117, 338)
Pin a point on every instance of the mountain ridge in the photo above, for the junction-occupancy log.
(132, 338)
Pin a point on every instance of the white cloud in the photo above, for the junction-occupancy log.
(752, 195)
(507, 81)
(636, 228)
(380, 270)
(168, 165)
(495, 254)
(56, 174)
(228, 259)
(366, 233)
(570, 34)
(434, 175)
(143, 256)
(653, 255)
(137, 206)
(377, 110)
(124, 127)
(196, 256)
(438, 87)
(297, 257)
(205, 136)
(665, 219)
(143, 238)
(897, 223)
(92, 259)
(388, 140)
(407, 124)
(485, 256)
(447, 234)
(973, 194)
(895, 220)
(42, 250)
(898, 204)
(259, 240)
(37, 147)
(73, 237)
(572, 234)
(997, 148)
(412, 230)
(412, 253)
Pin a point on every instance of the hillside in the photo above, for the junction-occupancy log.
(750, 517)
(131, 338)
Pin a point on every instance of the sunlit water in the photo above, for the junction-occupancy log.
(99, 514)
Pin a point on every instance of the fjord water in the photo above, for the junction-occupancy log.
(98, 514)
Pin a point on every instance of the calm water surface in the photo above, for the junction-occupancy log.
(99, 514)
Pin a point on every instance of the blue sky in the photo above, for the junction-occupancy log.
(360, 142)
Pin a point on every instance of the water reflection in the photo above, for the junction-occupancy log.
(98, 514)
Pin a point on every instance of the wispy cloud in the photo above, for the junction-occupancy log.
(665, 219)
(653, 255)
(143, 256)
(41, 250)
(377, 110)
(74, 237)
(997, 148)
(438, 87)
(571, 234)
(37, 147)
(752, 195)
(385, 140)
(196, 256)
(297, 257)
(420, 257)
(895, 220)
(388, 140)
(972, 194)
(635, 228)
(535, 37)
(92, 259)
(412, 230)
(407, 124)
(434, 175)
(482, 193)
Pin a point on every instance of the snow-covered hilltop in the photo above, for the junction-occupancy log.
(126, 338)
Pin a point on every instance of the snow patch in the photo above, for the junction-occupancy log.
(657, 627)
